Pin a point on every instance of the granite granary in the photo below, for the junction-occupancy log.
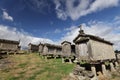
(51, 50)
(32, 47)
(95, 52)
(9, 46)
(93, 48)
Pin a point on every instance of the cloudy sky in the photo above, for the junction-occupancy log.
(53, 21)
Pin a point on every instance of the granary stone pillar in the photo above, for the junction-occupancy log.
(70, 61)
(63, 60)
(54, 57)
(116, 64)
(93, 69)
(112, 67)
(55, 53)
(14, 53)
(42, 57)
(104, 71)
(45, 50)
(7, 53)
(45, 58)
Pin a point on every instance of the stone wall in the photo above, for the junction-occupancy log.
(50, 49)
(66, 49)
(94, 50)
(6, 45)
(33, 48)
(118, 57)
(101, 51)
(82, 51)
(45, 50)
(41, 46)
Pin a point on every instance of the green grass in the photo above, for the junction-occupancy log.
(33, 67)
(22, 65)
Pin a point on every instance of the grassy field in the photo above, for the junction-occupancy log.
(33, 67)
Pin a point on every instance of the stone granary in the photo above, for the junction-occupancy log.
(65, 50)
(68, 51)
(33, 47)
(9, 46)
(46, 49)
(50, 50)
(94, 50)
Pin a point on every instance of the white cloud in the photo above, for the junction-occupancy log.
(57, 31)
(38, 5)
(83, 8)
(71, 34)
(102, 29)
(60, 13)
(7, 32)
(117, 18)
(6, 16)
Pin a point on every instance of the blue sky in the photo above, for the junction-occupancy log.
(53, 21)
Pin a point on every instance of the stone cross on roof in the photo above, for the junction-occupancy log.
(81, 31)
(80, 27)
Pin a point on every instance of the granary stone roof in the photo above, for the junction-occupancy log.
(40, 44)
(52, 45)
(65, 42)
(9, 41)
(32, 44)
(84, 37)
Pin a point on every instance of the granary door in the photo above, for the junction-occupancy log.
(83, 50)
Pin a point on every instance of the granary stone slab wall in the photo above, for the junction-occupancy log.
(9, 45)
(50, 49)
(77, 49)
(66, 49)
(102, 51)
(118, 57)
(45, 50)
(59, 50)
(82, 50)
(41, 46)
(33, 47)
